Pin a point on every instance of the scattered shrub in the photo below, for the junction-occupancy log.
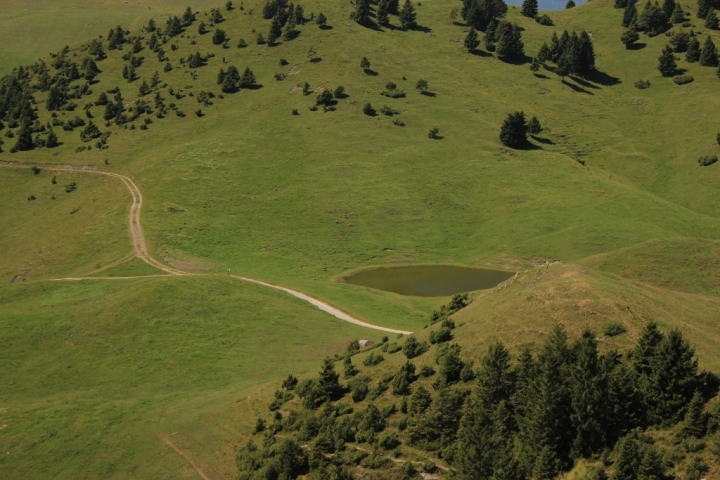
(705, 161)
(71, 187)
(544, 20)
(369, 110)
(295, 111)
(434, 133)
(642, 84)
(414, 348)
(427, 371)
(31, 198)
(683, 79)
(339, 92)
(614, 329)
(373, 359)
(398, 122)
(439, 336)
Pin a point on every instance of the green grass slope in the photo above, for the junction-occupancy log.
(95, 372)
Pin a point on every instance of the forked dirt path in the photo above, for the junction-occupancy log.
(137, 239)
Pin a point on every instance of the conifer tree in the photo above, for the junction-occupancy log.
(546, 465)
(693, 51)
(668, 7)
(247, 79)
(362, 11)
(383, 11)
(629, 15)
(588, 397)
(651, 466)
(290, 31)
(144, 88)
(695, 421)
(24, 138)
(408, 16)
(529, 8)
(586, 54)
(570, 4)
(188, 17)
(666, 62)
(394, 6)
(514, 130)
(544, 52)
(219, 36)
(711, 20)
(275, 28)
(709, 54)
(534, 126)
(628, 459)
(678, 15)
(365, 64)
(52, 140)
(471, 40)
(321, 20)
(546, 421)
(704, 7)
(629, 38)
(509, 42)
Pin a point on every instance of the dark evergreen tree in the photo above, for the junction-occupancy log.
(151, 27)
(173, 26)
(629, 38)
(362, 12)
(695, 422)
(668, 8)
(219, 36)
(471, 40)
(651, 466)
(216, 16)
(247, 79)
(488, 425)
(408, 17)
(666, 62)
(629, 15)
(394, 6)
(693, 51)
(52, 139)
(711, 20)
(534, 126)
(628, 460)
(704, 7)
(514, 130)
(586, 54)
(529, 8)
(621, 3)
(678, 15)
(509, 45)
(653, 20)
(588, 397)
(570, 4)
(275, 28)
(321, 20)
(290, 31)
(546, 422)
(709, 54)
(188, 17)
(383, 11)
(24, 138)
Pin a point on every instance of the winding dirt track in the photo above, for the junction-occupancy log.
(137, 239)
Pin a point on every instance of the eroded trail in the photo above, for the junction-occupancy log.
(137, 239)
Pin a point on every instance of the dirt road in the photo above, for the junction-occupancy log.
(137, 239)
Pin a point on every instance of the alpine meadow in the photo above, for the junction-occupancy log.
(360, 239)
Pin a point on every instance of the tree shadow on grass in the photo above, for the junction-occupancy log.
(540, 75)
(326, 27)
(545, 141)
(576, 88)
(371, 72)
(637, 46)
(480, 53)
(603, 78)
(428, 93)
(316, 60)
(584, 83)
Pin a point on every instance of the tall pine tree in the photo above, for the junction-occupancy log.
(530, 8)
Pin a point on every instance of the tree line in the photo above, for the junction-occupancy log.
(529, 417)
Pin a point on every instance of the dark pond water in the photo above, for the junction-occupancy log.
(546, 5)
(428, 280)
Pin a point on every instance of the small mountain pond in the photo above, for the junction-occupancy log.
(428, 280)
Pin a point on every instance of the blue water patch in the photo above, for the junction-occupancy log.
(547, 4)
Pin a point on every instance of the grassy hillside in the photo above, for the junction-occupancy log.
(611, 188)
(97, 371)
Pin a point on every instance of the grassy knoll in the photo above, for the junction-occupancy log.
(96, 371)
